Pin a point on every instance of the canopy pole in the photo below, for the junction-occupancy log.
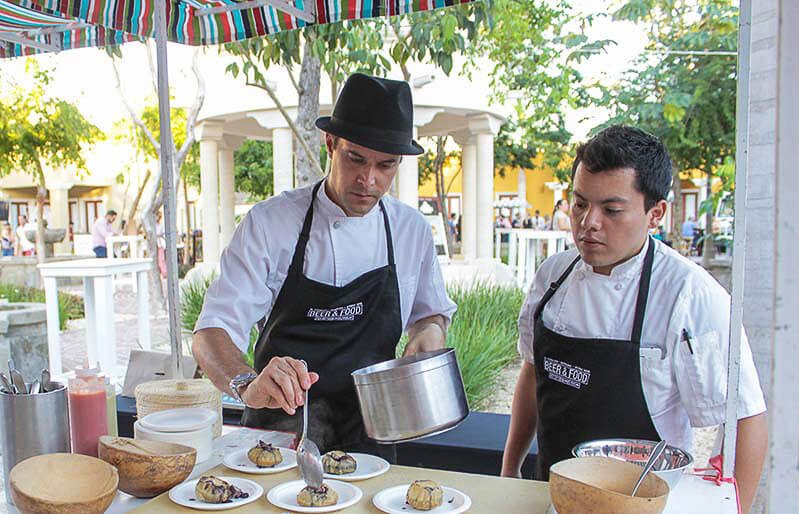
(168, 184)
(739, 235)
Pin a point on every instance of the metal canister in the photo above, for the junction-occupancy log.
(33, 424)
(412, 397)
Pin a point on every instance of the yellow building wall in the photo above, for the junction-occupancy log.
(539, 196)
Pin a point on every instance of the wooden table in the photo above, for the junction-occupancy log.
(488, 494)
(98, 301)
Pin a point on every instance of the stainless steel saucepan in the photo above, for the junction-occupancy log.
(411, 397)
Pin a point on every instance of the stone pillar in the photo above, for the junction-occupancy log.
(408, 178)
(227, 200)
(282, 160)
(210, 135)
(485, 196)
(59, 214)
(469, 208)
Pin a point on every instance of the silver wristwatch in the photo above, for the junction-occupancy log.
(241, 381)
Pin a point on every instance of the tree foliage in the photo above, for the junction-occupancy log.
(254, 169)
(684, 88)
(39, 131)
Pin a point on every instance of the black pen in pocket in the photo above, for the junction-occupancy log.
(687, 339)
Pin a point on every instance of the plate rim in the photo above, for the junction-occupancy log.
(217, 506)
(467, 504)
(213, 417)
(351, 477)
(259, 471)
(312, 510)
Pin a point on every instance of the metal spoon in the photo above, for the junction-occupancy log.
(308, 456)
(656, 453)
(19, 382)
(45, 380)
(7, 385)
(35, 387)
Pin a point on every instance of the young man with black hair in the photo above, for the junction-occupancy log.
(622, 337)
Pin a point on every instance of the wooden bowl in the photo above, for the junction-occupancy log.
(147, 468)
(63, 483)
(602, 485)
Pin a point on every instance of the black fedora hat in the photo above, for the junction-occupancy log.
(375, 113)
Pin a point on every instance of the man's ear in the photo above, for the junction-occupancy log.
(656, 213)
(329, 144)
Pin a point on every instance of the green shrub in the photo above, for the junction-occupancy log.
(483, 333)
(70, 306)
(191, 305)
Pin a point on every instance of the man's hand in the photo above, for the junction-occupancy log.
(280, 385)
(426, 335)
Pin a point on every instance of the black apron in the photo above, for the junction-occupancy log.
(336, 330)
(589, 388)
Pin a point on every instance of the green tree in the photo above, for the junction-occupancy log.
(38, 131)
(339, 49)
(683, 89)
(535, 47)
(254, 169)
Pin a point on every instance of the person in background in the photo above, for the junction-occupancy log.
(103, 228)
(25, 247)
(517, 222)
(7, 240)
(547, 222)
(560, 216)
(688, 228)
(453, 225)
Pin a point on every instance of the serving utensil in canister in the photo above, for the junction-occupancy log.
(8, 387)
(308, 456)
(653, 458)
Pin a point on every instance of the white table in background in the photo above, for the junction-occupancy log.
(98, 302)
(525, 246)
(136, 247)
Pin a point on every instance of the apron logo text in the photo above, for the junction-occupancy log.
(572, 376)
(346, 313)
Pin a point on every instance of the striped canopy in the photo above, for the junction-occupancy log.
(32, 26)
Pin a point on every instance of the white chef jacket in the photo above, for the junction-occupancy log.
(340, 249)
(681, 389)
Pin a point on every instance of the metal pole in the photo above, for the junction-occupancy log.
(739, 237)
(168, 184)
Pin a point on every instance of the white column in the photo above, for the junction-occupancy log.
(282, 160)
(227, 200)
(210, 135)
(485, 195)
(408, 187)
(469, 209)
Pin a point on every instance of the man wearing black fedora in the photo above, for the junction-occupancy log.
(335, 272)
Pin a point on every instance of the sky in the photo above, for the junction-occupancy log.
(85, 77)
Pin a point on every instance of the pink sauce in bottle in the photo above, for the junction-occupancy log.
(88, 418)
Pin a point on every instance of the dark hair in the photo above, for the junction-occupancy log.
(110, 212)
(621, 146)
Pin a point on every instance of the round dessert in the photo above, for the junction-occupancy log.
(338, 463)
(264, 455)
(424, 495)
(322, 497)
(210, 489)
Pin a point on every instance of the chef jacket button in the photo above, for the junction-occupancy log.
(336, 224)
(618, 287)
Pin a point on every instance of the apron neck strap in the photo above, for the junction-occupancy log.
(305, 233)
(553, 287)
(643, 292)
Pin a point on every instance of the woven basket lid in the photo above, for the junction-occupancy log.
(177, 391)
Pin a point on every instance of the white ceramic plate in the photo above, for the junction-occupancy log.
(237, 460)
(179, 420)
(392, 501)
(284, 496)
(369, 466)
(183, 494)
